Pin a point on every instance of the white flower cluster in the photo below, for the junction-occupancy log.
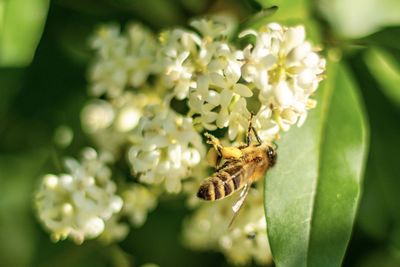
(206, 69)
(121, 60)
(285, 70)
(138, 202)
(77, 204)
(247, 239)
(165, 147)
(218, 79)
(110, 122)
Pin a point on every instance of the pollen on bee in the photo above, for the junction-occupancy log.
(212, 157)
(231, 152)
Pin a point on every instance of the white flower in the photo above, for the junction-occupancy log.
(129, 108)
(63, 136)
(141, 55)
(108, 42)
(286, 70)
(165, 147)
(247, 239)
(266, 127)
(217, 91)
(109, 122)
(176, 62)
(206, 69)
(78, 204)
(238, 119)
(109, 71)
(97, 115)
(114, 230)
(215, 28)
(138, 201)
(122, 60)
(186, 56)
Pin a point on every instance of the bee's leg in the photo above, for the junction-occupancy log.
(223, 152)
(212, 140)
(218, 162)
(224, 165)
(256, 135)
(248, 136)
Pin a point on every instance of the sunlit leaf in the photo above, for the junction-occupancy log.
(386, 72)
(358, 18)
(289, 10)
(288, 13)
(312, 194)
(21, 25)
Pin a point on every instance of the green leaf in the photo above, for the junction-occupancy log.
(157, 13)
(18, 174)
(260, 18)
(388, 38)
(381, 258)
(21, 25)
(288, 12)
(386, 72)
(294, 11)
(379, 215)
(358, 18)
(264, 3)
(311, 195)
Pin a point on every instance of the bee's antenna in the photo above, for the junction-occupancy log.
(275, 145)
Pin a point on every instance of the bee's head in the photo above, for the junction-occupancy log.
(272, 156)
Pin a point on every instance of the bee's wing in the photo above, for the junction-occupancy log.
(239, 204)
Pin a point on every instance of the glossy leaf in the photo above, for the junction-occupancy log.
(379, 216)
(312, 193)
(21, 26)
(386, 71)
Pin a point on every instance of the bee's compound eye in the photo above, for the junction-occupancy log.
(271, 153)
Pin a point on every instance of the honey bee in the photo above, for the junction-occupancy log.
(237, 167)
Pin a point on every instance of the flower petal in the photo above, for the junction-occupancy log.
(242, 90)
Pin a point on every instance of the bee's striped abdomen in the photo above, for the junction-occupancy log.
(222, 184)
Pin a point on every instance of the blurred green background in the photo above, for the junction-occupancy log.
(44, 57)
